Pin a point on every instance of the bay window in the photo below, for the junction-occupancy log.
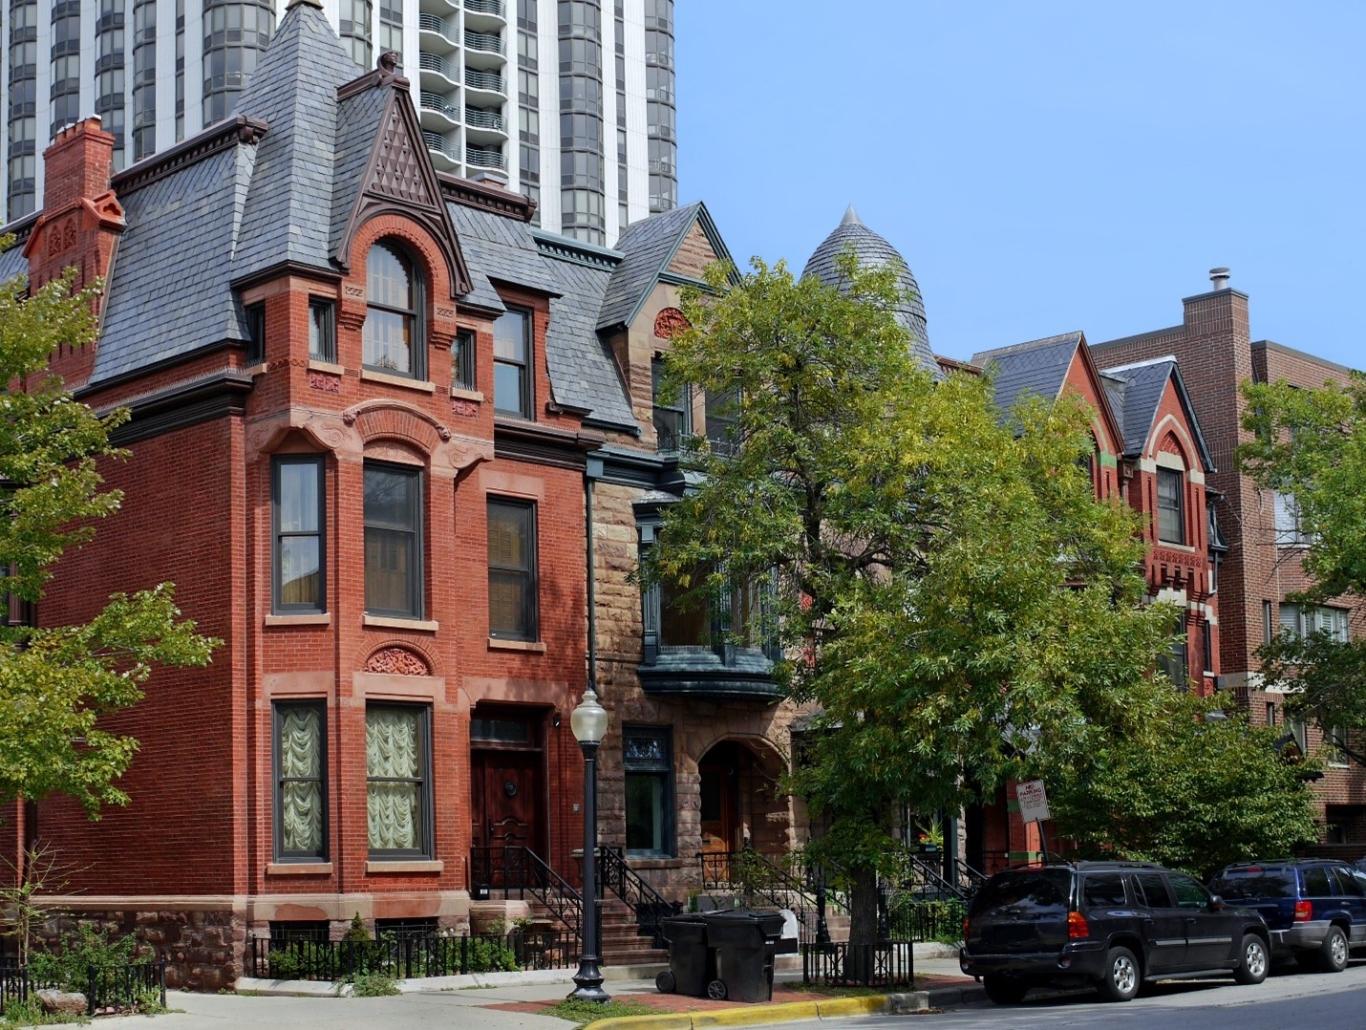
(393, 540)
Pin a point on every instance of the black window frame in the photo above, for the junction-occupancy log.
(664, 772)
(464, 364)
(1207, 642)
(278, 709)
(278, 606)
(326, 334)
(531, 596)
(527, 396)
(417, 587)
(426, 807)
(1166, 506)
(680, 409)
(417, 357)
(256, 332)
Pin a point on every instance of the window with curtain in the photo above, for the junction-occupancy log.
(648, 760)
(300, 781)
(512, 569)
(297, 495)
(1171, 508)
(393, 540)
(393, 308)
(398, 789)
(512, 363)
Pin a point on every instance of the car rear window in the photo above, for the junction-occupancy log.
(1104, 890)
(1030, 890)
(1254, 882)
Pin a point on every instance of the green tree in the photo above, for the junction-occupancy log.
(952, 600)
(1311, 445)
(57, 682)
(1197, 793)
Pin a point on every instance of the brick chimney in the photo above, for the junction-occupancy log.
(81, 217)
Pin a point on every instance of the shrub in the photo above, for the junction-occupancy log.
(90, 945)
(373, 985)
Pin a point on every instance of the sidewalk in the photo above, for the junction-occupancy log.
(502, 1007)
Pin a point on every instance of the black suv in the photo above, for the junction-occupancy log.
(1314, 908)
(1111, 924)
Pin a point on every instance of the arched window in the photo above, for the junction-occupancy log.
(393, 317)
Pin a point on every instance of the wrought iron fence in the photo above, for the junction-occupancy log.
(106, 988)
(916, 919)
(409, 957)
(889, 964)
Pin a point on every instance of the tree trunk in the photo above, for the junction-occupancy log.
(863, 925)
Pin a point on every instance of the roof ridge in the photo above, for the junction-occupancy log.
(1164, 359)
(1019, 348)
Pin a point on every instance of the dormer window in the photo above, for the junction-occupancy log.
(393, 313)
(1171, 506)
(512, 363)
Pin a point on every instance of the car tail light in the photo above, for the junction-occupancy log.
(1077, 929)
(967, 927)
(1304, 911)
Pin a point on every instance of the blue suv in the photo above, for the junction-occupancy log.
(1315, 909)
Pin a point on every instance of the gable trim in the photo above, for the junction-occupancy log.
(701, 218)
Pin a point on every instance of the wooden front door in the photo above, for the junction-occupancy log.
(720, 788)
(507, 799)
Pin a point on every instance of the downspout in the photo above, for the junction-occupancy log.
(592, 472)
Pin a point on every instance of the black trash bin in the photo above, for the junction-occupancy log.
(745, 943)
(691, 962)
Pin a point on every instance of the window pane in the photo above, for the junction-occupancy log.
(1105, 891)
(320, 331)
(298, 497)
(395, 766)
(645, 812)
(508, 394)
(388, 280)
(300, 570)
(509, 336)
(390, 498)
(299, 750)
(301, 818)
(1316, 882)
(389, 561)
(1189, 894)
(1170, 522)
(681, 626)
(388, 341)
(508, 532)
(507, 604)
(1154, 889)
(393, 817)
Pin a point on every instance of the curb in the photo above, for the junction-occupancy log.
(823, 1008)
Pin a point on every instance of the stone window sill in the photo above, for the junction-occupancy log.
(389, 622)
(301, 619)
(405, 866)
(318, 365)
(421, 385)
(299, 869)
(463, 394)
(532, 646)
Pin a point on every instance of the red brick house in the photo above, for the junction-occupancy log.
(1217, 353)
(1150, 452)
(360, 398)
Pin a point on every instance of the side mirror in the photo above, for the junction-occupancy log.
(1216, 903)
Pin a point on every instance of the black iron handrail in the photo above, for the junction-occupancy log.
(515, 868)
(649, 906)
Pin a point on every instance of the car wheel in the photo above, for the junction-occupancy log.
(1333, 952)
(1004, 990)
(1253, 963)
(1122, 977)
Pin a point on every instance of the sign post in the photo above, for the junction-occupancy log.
(1033, 801)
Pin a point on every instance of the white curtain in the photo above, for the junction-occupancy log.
(301, 806)
(393, 761)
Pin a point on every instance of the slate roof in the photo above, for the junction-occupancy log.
(1037, 367)
(1139, 388)
(873, 251)
(288, 214)
(13, 262)
(584, 373)
(647, 247)
(358, 118)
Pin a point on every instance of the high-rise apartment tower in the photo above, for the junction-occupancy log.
(569, 101)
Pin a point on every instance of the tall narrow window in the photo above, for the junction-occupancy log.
(648, 760)
(512, 570)
(671, 414)
(393, 323)
(462, 360)
(1171, 508)
(393, 540)
(512, 363)
(300, 781)
(684, 617)
(299, 517)
(1175, 662)
(1207, 642)
(256, 333)
(723, 411)
(398, 781)
(322, 330)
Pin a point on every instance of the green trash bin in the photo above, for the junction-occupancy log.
(691, 962)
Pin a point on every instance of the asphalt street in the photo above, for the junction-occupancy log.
(1313, 1001)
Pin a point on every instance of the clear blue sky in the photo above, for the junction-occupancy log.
(1046, 166)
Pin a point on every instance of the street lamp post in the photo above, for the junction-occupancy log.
(589, 723)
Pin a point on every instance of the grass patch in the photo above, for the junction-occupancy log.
(582, 1012)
